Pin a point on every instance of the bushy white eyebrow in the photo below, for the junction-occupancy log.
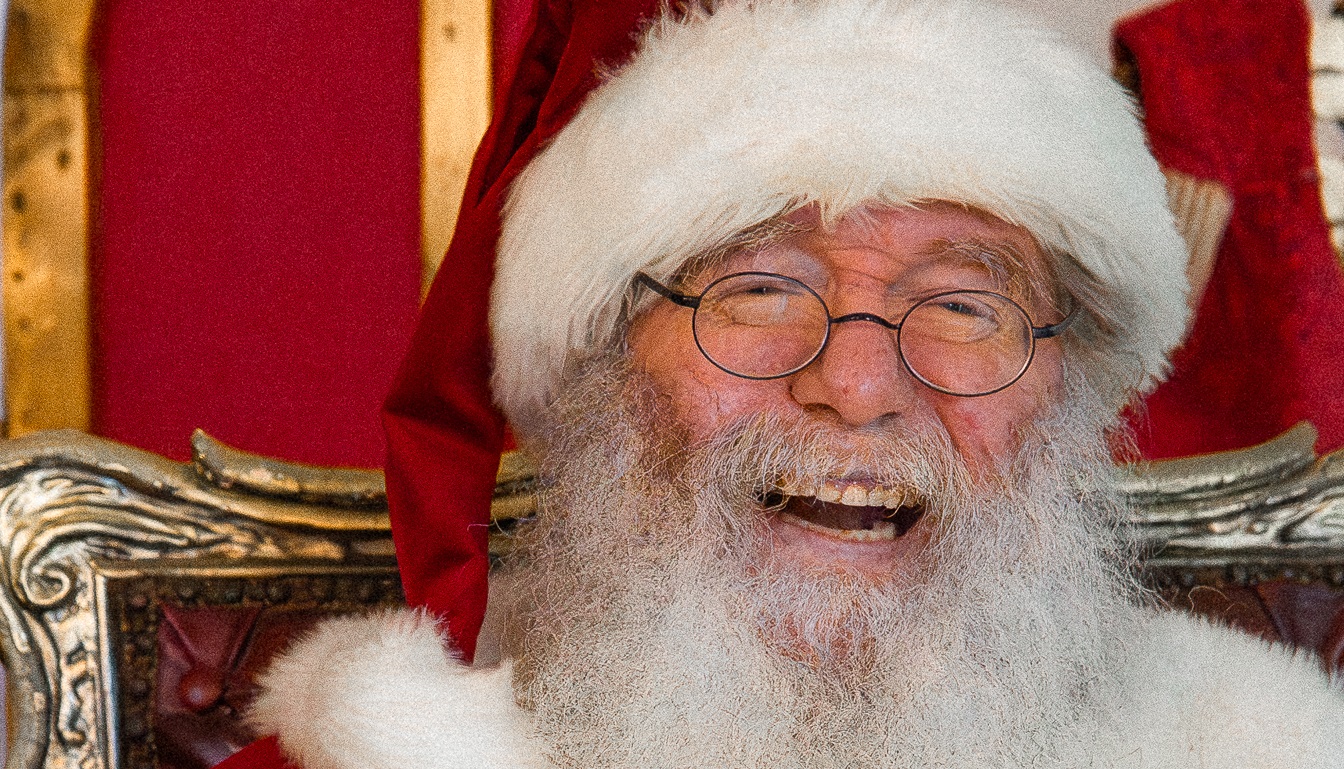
(1007, 265)
(757, 238)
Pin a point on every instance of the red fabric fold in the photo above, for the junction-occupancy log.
(262, 754)
(444, 435)
(1226, 97)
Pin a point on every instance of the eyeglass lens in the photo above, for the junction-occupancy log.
(765, 326)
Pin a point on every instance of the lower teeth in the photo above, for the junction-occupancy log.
(881, 531)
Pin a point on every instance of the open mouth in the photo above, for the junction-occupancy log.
(848, 510)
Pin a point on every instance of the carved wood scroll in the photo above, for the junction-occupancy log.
(1274, 511)
(91, 531)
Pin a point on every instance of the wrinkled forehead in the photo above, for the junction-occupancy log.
(931, 246)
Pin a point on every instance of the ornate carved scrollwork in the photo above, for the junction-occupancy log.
(68, 503)
(94, 535)
(1262, 513)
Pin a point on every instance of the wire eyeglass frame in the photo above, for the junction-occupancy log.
(693, 302)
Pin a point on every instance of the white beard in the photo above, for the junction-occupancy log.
(656, 632)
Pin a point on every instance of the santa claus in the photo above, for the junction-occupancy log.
(817, 315)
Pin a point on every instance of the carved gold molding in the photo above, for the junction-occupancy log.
(134, 595)
(72, 507)
(46, 214)
(1273, 511)
(455, 109)
(94, 536)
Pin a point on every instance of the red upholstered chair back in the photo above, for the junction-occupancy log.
(255, 248)
(220, 214)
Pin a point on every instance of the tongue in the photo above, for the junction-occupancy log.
(833, 515)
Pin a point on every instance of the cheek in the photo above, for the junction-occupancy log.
(986, 429)
(700, 395)
(980, 432)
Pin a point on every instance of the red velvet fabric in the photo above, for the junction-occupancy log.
(510, 26)
(1225, 91)
(255, 251)
(444, 436)
(196, 720)
(262, 754)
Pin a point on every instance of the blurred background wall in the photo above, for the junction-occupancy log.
(221, 215)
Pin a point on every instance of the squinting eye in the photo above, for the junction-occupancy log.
(761, 291)
(756, 305)
(966, 308)
(760, 301)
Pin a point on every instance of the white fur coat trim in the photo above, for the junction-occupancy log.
(725, 120)
(1206, 697)
(381, 692)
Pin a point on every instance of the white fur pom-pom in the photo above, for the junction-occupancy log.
(383, 692)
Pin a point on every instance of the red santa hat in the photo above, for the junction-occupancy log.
(633, 141)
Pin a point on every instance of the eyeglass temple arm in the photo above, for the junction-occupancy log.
(1045, 332)
(658, 288)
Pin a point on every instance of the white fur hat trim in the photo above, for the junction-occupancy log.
(722, 121)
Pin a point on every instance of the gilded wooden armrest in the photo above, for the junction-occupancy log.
(98, 538)
(1273, 511)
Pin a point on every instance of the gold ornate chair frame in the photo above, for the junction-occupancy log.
(96, 539)
(1274, 511)
(96, 536)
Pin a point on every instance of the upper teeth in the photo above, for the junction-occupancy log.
(853, 494)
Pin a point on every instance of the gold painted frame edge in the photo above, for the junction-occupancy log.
(455, 104)
(47, 100)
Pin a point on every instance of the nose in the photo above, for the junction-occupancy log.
(859, 378)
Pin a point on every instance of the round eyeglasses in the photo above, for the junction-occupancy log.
(759, 325)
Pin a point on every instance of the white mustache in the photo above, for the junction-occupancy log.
(768, 455)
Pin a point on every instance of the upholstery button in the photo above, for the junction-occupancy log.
(200, 688)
